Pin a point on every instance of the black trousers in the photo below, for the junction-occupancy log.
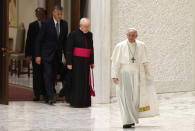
(38, 85)
(50, 69)
(66, 78)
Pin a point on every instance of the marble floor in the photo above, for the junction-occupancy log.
(177, 114)
(23, 80)
(27, 82)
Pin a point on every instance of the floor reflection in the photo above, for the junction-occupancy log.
(177, 114)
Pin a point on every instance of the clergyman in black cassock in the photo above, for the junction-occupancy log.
(33, 30)
(50, 44)
(82, 40)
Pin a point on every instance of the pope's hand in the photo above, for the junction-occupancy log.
(69, 67)
(38, 60)
(115, 80)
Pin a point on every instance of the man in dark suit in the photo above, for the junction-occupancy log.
(33, 30)
(50, 44)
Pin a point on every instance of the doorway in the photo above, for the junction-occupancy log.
(16, 80)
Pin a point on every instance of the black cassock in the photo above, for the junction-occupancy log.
(80, 95)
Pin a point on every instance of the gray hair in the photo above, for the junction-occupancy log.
(83, 20)
(57, 7)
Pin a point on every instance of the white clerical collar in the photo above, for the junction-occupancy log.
(55, 21)
(131, 44)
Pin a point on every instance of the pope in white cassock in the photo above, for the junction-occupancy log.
(130, 72)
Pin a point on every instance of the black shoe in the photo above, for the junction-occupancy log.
(54, 98)
(128, 125)
(46, 100)
(50, 102)
(36, 99)
(132, 125)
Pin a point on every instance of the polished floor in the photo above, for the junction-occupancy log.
(177, 114)
(26, 82)
(23, 80)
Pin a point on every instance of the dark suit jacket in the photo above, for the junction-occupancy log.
(33, 31)
(48, 45)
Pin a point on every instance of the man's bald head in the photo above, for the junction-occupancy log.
(84, 25)
(132, 34)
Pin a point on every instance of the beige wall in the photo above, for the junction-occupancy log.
(166, 28)
(193, 47)
(26, 11)
(25, 15)
(66, 4)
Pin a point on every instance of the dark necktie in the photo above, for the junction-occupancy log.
(58, 29)
(40, 24)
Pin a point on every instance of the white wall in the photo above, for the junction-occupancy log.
(166, 28)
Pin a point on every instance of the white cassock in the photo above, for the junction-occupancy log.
(137, 98)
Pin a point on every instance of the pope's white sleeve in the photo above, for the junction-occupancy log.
(115, 69)
(116, 55)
